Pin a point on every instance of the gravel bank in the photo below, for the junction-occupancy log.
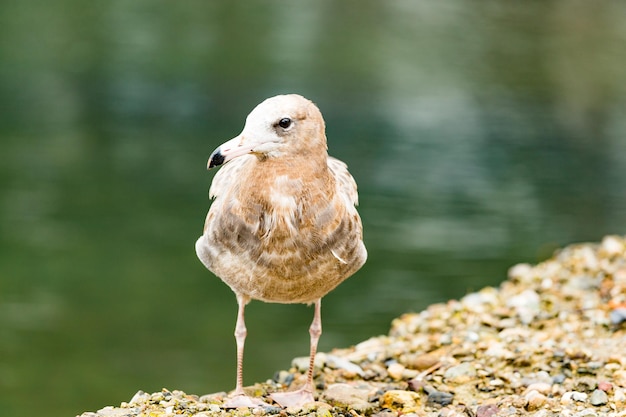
(551, 341)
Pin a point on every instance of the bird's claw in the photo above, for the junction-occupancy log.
(242, 400)
(296, 398)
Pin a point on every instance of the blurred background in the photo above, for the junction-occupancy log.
(480, 134)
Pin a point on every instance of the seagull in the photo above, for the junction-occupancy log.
(283, 226)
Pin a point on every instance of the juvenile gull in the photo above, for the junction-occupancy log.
(283, 226)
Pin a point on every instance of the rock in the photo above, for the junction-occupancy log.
(612, 246)
(438, 397)
(336, 362)
(598, 397)
(605, 386)
(349, 396)
(401, 401)
(619, 397)
(535, 399)
(421, 362)
(396, 370)
(113, 412)
(587, 412)
(487, 410)
(541, 387)
(461, 373)
(139, 397)
(618, 316)
(526, 304)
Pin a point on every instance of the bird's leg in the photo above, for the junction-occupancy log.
(304, 395)
(239, 398)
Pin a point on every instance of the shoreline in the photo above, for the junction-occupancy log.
(550, 340)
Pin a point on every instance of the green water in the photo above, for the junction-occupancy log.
(480, 134)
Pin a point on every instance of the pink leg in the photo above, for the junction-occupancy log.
(239, 398)
(305, 394)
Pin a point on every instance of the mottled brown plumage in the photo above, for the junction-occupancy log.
(283, 226)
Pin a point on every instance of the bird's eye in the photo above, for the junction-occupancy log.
(285, 122)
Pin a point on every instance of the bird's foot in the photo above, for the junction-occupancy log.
(296, 398)
(243, 400)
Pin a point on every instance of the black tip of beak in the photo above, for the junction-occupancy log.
(216, 159)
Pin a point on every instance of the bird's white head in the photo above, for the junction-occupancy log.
(284, 125)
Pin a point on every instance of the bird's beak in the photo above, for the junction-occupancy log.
(229, 150)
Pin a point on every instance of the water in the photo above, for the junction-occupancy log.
(481, 135)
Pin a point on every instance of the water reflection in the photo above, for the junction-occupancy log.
(480, 136)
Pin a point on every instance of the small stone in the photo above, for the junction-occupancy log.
(284, 378)
(216, 397)
(336, 362)
(439, 397)
(566, 398)
(401, 401)
(488, 410)
(541, 387)
(349, 396)
(605, 386)
(535, 399)
(598, 397)
(421, 362)
(617, 316)
(619, 397)
(385, 413)
(619, 378)
(522, 272)
(113, 412)
(395, 371)
(612, 245)
(416, 384)
(139, 398)
(460, 373)
(587, 412)
(579, 396)
(497, 382)
(586, 384)
(520, 402)
(526, 304)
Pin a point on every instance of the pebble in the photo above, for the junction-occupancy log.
(336, 362)
(598, 397)
(487, 410)
(421, 362)
(438, 397)
(535, 399)
(541, 387)
(526, 304)
(587, 412)
(396, 371)
(605, 386)
(461, 373)
(401, 401)
(349, 395)
(612, 245)
(617, 316)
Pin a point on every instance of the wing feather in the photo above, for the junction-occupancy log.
(345, 182)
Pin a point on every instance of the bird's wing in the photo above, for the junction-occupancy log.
(345, 182)
(227, 175)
